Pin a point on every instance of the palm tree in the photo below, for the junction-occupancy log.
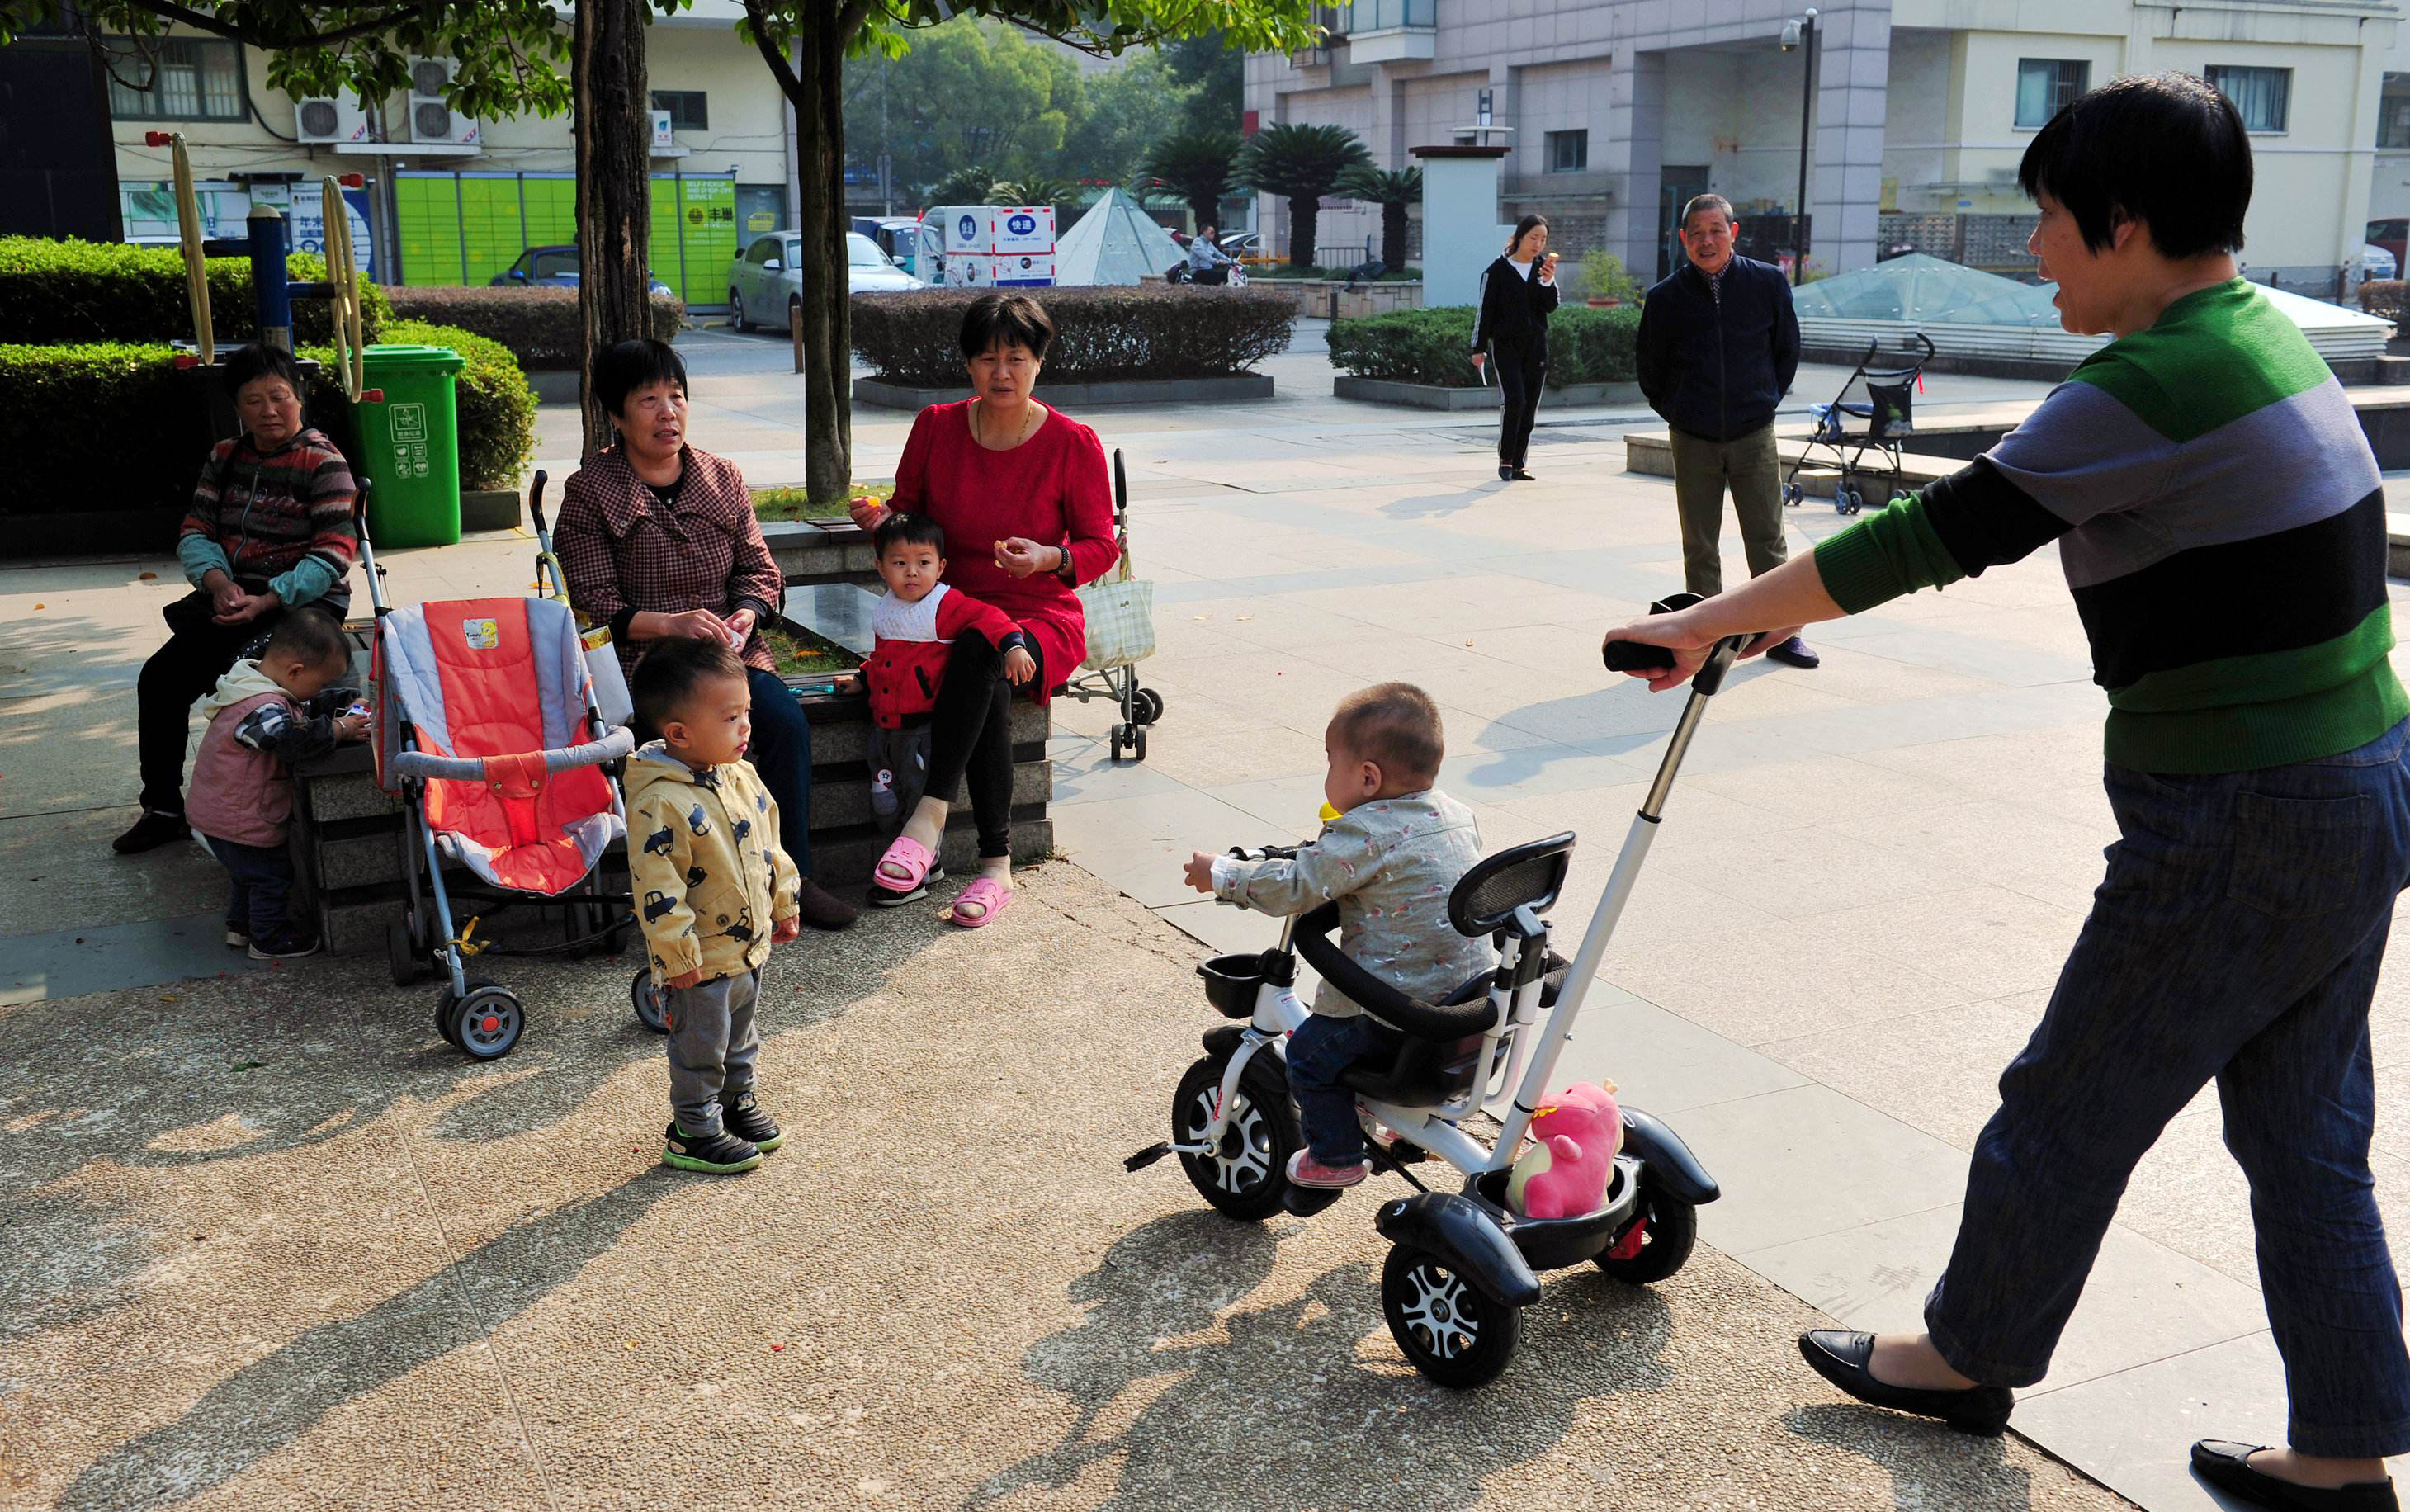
(1393, 191)
(1301, 163)
(967, 185)
(1035, 190)
(1195, 167)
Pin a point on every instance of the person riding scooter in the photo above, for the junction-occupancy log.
(1206, 262)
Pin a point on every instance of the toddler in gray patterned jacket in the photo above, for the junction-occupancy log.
(1391, 860)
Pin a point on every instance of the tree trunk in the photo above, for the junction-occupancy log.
(1304, 212)
(615, 191)
(1207, 208)
(1393, 236)
(828, 317)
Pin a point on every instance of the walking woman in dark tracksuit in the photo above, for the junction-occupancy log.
(1518, 292)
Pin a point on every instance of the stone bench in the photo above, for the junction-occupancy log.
(347, 834)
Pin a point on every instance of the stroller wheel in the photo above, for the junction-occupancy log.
(401, 958)
(1657, 1245)
(1447, 1330)
(1150, 706)
(1245, 1175)
(488, 1022)
(1115, 737)
(650, 1011)
(1792, 493)
(1138, 742)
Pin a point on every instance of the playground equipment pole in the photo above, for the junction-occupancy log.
(270, 291)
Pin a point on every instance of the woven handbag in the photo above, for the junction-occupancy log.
(1121, 618)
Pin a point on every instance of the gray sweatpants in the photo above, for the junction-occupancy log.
(712, 1047)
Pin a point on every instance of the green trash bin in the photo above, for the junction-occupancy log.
(409, 447)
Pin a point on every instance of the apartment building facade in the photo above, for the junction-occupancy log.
(1617, 111)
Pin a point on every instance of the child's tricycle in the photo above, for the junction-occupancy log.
(1462, 1263)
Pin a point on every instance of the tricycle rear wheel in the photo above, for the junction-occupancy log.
(1447, 1329)
(1657, 1245)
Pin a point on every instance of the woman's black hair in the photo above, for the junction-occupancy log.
(624, 367)
(259, 360)
(902, 529)
(2162, 149)
(1011, 319)
(1522, 229)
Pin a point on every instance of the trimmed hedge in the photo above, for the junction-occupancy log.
(151, 431)
(495, 403)
(1436, 346)
(1102, 334)
(2388, 297)
(85, 292)
(539, 325)
(120, 394)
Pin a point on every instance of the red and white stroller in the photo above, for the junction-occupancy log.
(487, 725)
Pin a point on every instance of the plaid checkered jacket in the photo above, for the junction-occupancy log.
(622, 552)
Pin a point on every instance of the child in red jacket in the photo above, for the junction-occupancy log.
(915, 625)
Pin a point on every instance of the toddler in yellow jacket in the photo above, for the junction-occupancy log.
(712, 892)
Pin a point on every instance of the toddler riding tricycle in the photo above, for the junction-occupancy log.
(1462, 1263)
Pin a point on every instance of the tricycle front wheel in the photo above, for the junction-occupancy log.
(1245, 1174)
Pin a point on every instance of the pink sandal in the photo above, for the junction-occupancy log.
(990, 896)
(915, 862)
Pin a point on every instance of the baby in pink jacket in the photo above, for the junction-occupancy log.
(264, 716)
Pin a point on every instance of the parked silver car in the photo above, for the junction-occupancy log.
(764, 280)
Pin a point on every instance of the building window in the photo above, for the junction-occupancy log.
(689, 108)
(1568, 151)
(2046, 86)
(2263, 97)
(175, 79)
(2393, 113)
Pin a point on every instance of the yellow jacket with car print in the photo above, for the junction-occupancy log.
(704, 864)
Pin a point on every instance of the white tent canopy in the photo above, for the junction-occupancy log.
(1114, 242)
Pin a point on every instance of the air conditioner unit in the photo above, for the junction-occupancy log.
(432, 120)
(320, 120)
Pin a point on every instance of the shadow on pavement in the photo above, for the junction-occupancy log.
(1306, 1394)
(260, 1409)
(1930, 1465)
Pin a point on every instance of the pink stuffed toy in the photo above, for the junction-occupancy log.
(1563, 1172)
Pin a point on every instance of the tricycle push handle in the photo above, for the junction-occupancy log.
(1639, 656)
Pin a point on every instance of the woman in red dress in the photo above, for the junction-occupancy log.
(1022, 493)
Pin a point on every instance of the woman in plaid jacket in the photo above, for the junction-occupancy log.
(660, 540)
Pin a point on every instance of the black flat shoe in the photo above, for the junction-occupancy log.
(2228, 1466)
(1505, 473)
(1521, 476)
(1841, 1359)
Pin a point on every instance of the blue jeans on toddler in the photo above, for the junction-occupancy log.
(1319, 1051)
(263, 887)
(2237, 936)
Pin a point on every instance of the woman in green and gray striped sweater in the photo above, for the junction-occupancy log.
(2221, 522)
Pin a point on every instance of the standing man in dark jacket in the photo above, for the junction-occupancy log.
(1718, 345)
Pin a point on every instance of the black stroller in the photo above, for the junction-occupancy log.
(1889, 413)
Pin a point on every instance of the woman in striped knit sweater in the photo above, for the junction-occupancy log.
(269, 532)
(2220, 519)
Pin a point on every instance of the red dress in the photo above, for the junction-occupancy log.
(1053, 489)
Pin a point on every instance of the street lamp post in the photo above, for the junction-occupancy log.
(1801, 34)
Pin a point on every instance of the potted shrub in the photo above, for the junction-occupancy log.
(1605, 281)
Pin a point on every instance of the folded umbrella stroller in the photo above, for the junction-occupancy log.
(487, 725)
